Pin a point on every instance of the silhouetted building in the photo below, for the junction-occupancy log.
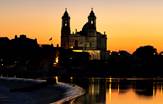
(24, 57)
(86, 40)
(23, 42)
(4, 42)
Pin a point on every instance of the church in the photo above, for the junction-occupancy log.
(87, 40)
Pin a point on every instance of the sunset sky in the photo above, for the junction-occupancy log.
(128, 23)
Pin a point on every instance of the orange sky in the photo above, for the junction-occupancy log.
(128, 23)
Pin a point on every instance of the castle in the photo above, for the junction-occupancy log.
(86, 40)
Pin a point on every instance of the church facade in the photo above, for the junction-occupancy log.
(87, 40)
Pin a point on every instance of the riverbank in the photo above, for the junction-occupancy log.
(73, 92)
(48, 94)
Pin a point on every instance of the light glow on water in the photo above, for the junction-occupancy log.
(113, 96)
(122, 91)
(56, 78)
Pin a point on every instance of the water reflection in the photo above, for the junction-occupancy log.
(119, 91)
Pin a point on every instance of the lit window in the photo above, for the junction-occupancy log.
(91, 22)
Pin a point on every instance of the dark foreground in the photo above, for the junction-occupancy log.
(25, 91)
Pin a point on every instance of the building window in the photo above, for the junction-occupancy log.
(91, 22)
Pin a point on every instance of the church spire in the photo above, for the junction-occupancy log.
(65, 23)
(65, 15)
(92, 14)
(65, 29)
(92, 19)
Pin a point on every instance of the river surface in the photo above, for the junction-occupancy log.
(119, 90)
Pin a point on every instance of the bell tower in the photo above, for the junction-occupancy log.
(65, 24)
(65, 30)
(92, 20)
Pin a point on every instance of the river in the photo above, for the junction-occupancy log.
(119, 90)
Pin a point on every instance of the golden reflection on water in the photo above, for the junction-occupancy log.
(110, 90)
(113, 96)
(56, 78)
(161, 90)
(121, 91)
(154, 91)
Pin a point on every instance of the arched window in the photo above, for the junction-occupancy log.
(91, 21)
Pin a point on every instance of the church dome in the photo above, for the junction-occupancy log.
(90, 27)
(85, 28)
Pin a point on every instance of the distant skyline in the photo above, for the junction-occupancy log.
(127, 23)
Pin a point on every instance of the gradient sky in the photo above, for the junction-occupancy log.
(128, 23)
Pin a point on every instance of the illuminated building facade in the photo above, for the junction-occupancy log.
(86, 40)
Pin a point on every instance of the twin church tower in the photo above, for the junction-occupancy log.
(86, 40)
